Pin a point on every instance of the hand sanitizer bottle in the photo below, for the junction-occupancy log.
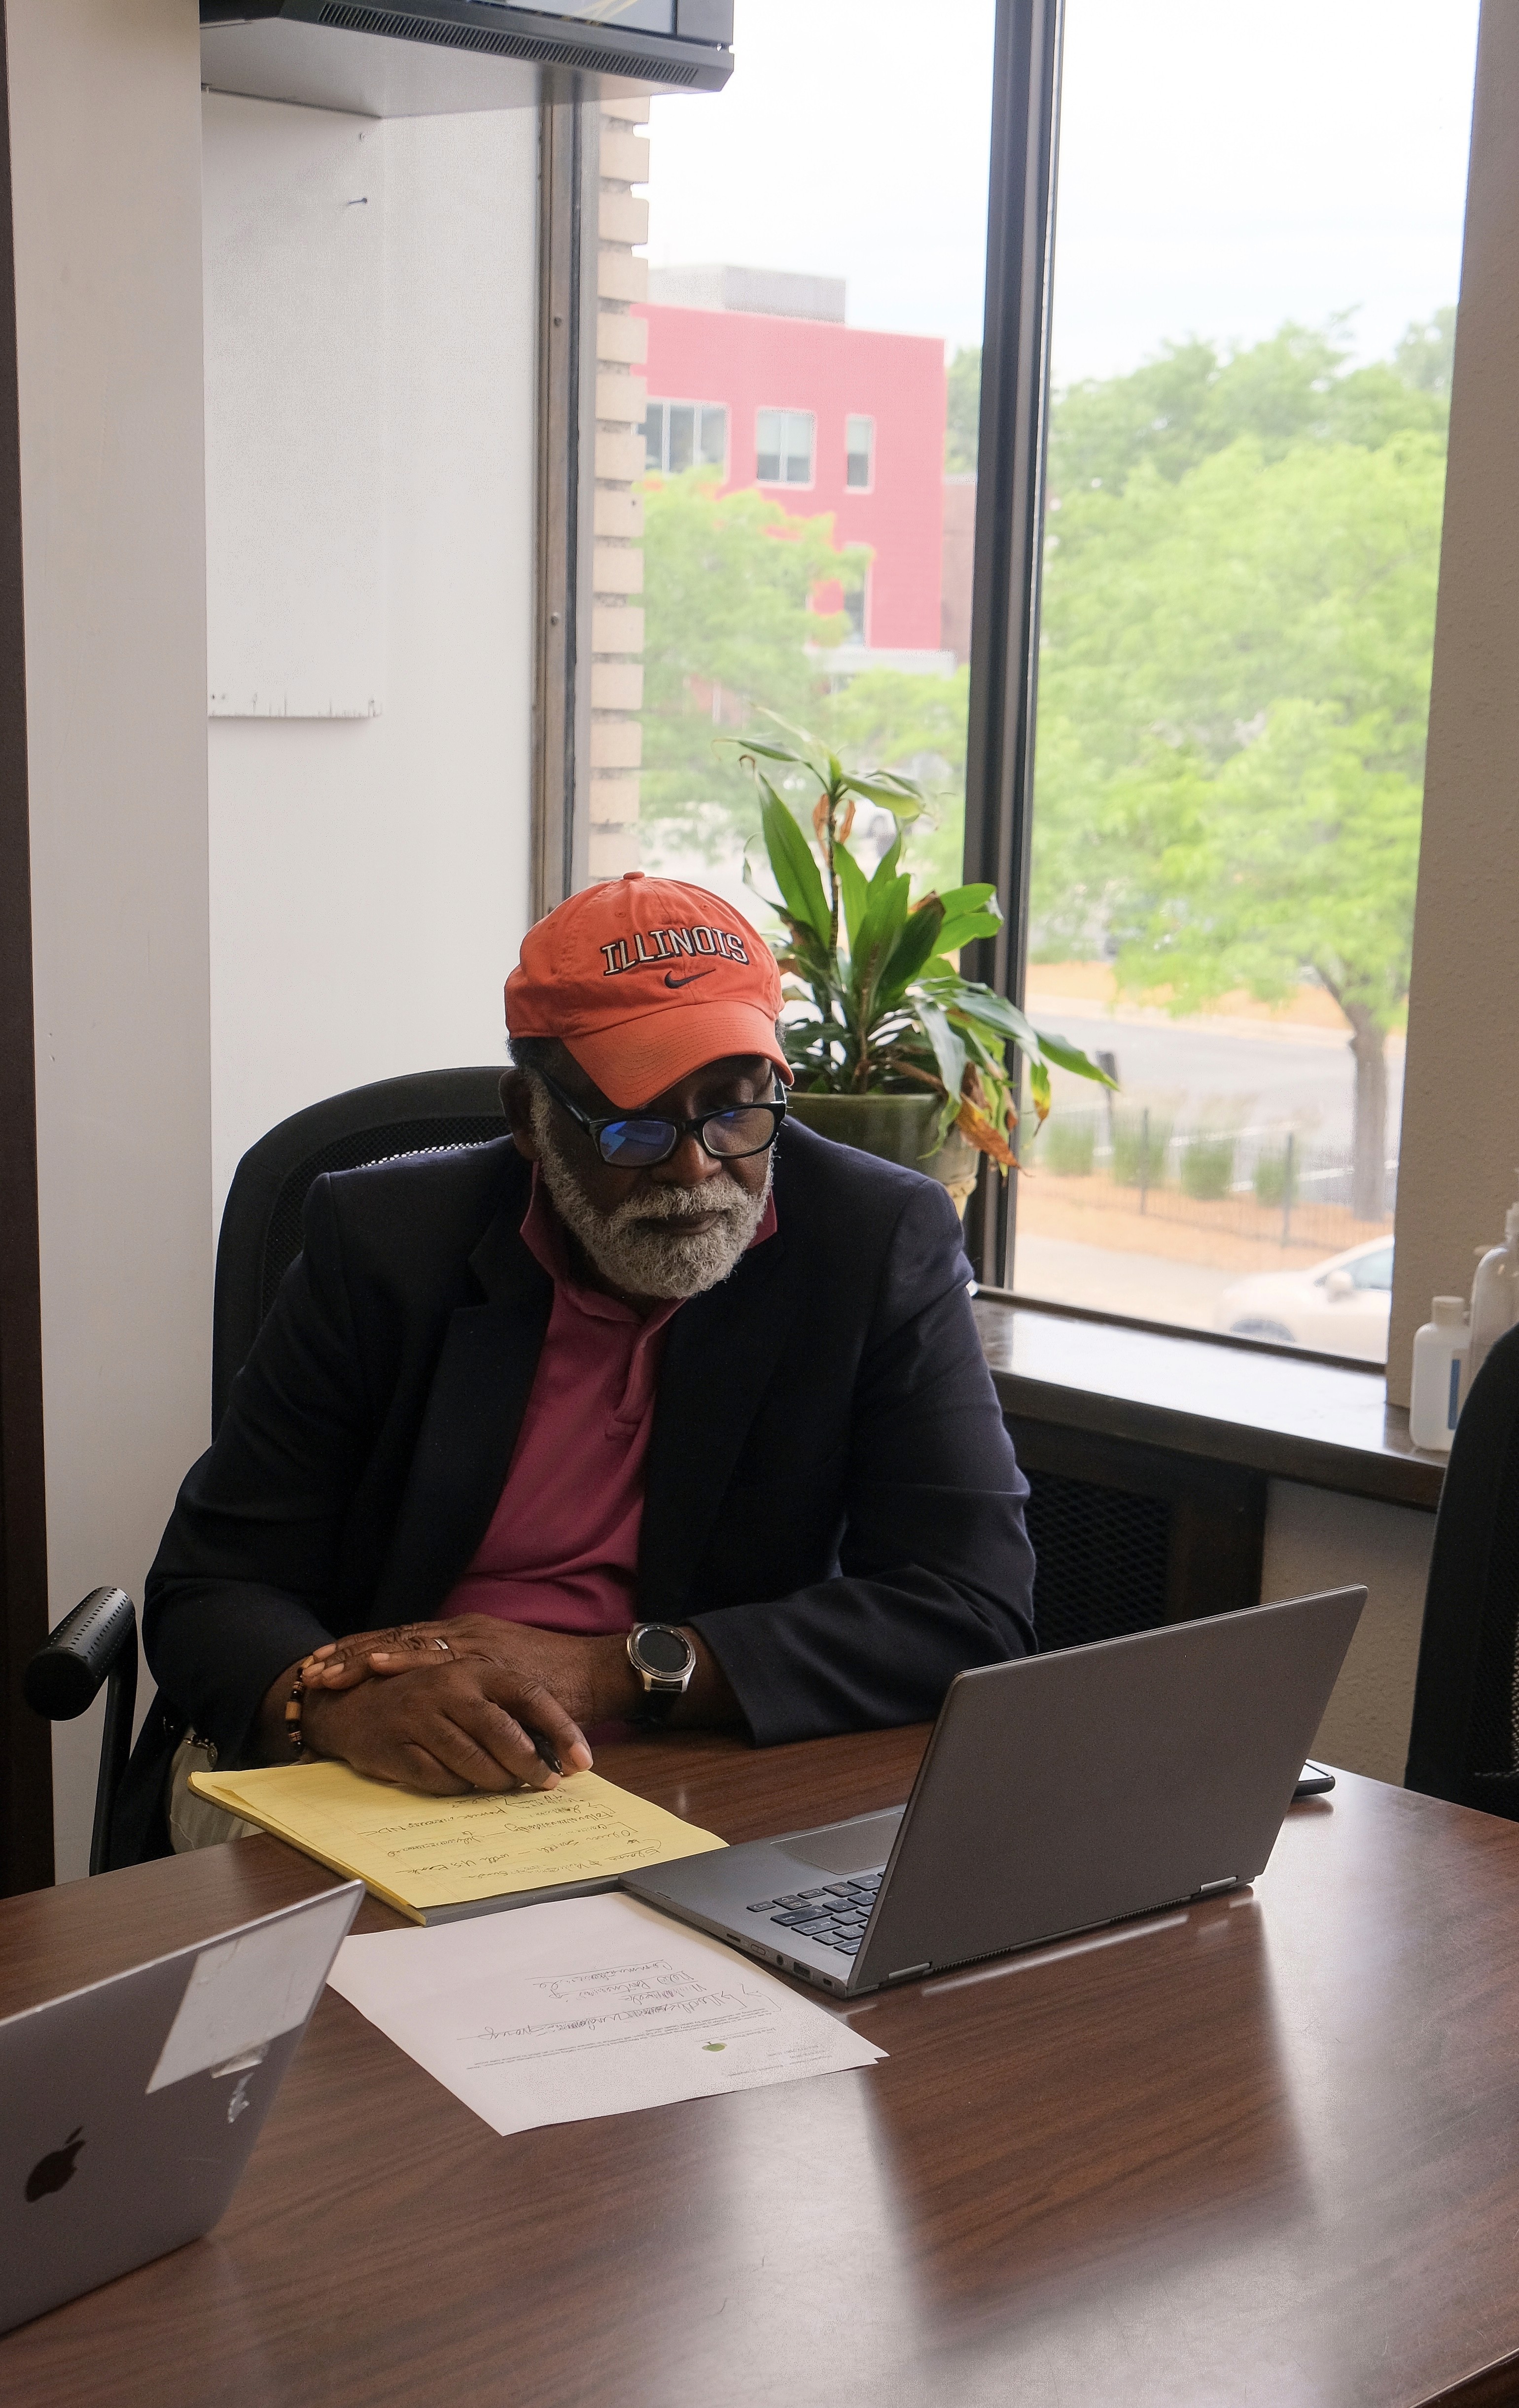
(1495, 1295)
(1439, 1358)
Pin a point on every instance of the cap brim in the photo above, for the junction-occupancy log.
(639, 1058)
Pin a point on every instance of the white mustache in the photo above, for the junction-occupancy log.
(676, 1204)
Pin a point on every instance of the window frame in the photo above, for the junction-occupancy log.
(1010, 529)
(867, 419)
(679, 401)
(787, 484)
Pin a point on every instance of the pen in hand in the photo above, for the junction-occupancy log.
(545, 1753)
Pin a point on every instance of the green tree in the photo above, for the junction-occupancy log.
(730, 635)
(1194, 399)
(728, 631)
(1238, 610)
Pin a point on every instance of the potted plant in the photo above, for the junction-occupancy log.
(897, 1053)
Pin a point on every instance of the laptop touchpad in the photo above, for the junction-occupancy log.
(846, 1847)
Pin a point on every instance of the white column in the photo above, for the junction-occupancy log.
(1460, 1140)
(105, 108)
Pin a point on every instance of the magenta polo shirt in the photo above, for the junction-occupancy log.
(562, 1549)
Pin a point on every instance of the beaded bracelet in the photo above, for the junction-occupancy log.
(292, 1717)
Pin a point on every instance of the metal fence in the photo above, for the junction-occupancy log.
(1263, 1181)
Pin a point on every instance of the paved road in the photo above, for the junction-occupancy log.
(1147, 1287)
(1205, 1073)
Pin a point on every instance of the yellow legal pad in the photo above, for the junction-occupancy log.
(438, 1859)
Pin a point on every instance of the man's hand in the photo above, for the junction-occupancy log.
(449, 1707)
(463, 1716)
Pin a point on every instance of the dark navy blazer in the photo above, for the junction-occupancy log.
(831, 1496)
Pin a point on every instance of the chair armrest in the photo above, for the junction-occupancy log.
(66, 1674)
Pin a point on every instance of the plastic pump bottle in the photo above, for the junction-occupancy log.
(1440, 1359)
(1494, 1296)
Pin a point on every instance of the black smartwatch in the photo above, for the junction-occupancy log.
(663, 1660)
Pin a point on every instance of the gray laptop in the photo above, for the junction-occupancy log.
(1057, 1793)
(129, 2110)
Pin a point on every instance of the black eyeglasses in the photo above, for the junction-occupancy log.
(636, 1141)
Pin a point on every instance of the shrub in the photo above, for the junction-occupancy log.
(1208, 1168)
(1139, 1151)
(1273, 1180)
(1069, 1145)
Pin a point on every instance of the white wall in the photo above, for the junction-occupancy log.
(105, 108)
(369, 876)
(1316, 1539)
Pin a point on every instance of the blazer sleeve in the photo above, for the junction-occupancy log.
(935, 1573)
(249, 1562)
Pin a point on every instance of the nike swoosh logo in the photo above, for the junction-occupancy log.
(670, 978)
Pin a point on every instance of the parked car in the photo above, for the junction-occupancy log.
(1339, 1307)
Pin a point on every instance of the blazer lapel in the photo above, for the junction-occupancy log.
(473, 1411)
(721, 1350)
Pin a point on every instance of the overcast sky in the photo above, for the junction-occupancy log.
(1225, 164)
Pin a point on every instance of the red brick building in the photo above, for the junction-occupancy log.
(754, 373)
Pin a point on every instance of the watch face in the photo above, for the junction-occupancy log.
(663, 1650)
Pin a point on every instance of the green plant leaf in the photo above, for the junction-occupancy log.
(767, 751)
(949, 1048)
(983, 1004)
(795, 872)
(964, 927)
(886, 867)
(973, 898)
(900, 797)
(854, 890)
(886, 917)
(995, 1011)
(1066, 1056)
(916, 945)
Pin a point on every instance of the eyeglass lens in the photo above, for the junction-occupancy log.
(634, 1145)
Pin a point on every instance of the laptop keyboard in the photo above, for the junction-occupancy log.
(835, 1914)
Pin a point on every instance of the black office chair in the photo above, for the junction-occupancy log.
(1464, 1745)
(261, 1237)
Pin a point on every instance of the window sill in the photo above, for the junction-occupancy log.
(1291, 1417)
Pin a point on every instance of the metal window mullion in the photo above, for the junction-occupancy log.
(1010, 521)
(568, 194)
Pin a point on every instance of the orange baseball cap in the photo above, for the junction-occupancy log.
(644, 980)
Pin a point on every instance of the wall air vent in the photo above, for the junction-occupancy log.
(472, 37)
(416, 58)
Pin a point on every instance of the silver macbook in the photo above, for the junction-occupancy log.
(1057, 1793)
(129, 2110)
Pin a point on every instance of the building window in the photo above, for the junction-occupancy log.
(855, 614)
(1233, 668)
(859, 453)
(783, 441)
(680, 434)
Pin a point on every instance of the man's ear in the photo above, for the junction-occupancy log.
(517, 1103)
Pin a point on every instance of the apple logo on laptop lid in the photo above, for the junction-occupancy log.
(59, 2166)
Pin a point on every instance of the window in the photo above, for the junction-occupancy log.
(680, 434)
(1253, 284)
(783, 446)
(824, 310)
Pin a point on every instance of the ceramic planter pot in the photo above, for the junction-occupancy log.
(898, 1128)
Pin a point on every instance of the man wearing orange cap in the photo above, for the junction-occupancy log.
(636, 1415)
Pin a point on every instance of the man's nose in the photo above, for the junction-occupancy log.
(687, 1167)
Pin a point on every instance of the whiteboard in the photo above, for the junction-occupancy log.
(295, 257)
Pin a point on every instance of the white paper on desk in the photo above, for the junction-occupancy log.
(589, 2007)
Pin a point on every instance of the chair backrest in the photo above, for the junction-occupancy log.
(260, 1223)
(1464, 1745)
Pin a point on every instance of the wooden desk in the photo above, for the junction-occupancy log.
(1266, 2149)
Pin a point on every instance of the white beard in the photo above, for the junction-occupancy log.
(640, 1246)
